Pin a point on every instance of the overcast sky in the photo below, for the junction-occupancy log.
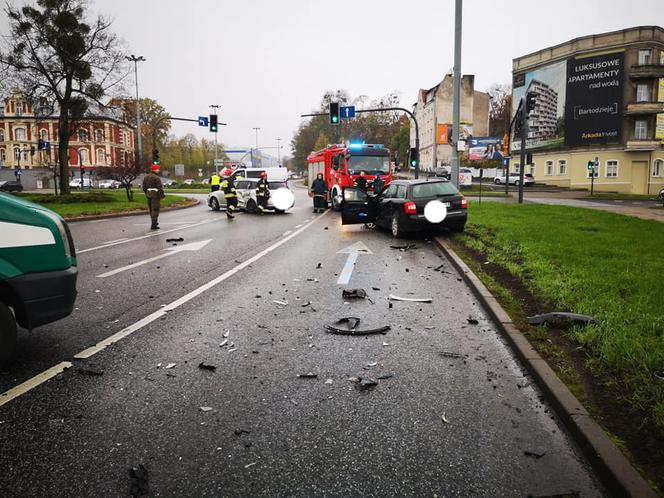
(265, 62)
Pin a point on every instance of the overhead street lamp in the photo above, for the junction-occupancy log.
(136, 60)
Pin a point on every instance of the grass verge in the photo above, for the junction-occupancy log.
(536, 258)
(608, 196)
(96, 203)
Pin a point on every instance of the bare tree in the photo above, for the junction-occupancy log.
(124, 174)
(500, 108)
(54, 52)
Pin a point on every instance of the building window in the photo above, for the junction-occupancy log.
(517, 167)
(19, 134)
(531, 170)
(562, 167)
(101, 156)
(19, 108)
(2, 135)
(83, 156)
(645, 56)
(17, 154)
(611, 169)
(43, 134)
(657, 167)
(640, 129)
(643, 92)
(549, 168)
(82, 135)
(99, 136)
(3, 156)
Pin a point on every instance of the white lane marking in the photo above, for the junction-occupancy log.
(352, 251)
(114, 241)
(29, 384)
(194, 246)
(287, 233)
(187, 297)
(298, 226)
(154, 234)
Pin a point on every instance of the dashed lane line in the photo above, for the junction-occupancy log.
(29, 384)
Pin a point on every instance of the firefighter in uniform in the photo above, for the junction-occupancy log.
(318, 191)
(262, 192)
(361, 182)
(230, 194)
(215, 180)
(154, 191)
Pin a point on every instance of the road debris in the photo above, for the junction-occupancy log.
(139, 484)
(329, 381)
(387, 344)
(206, 366)
(90, 371)
(250, 465)
(282, 303)
(372, 364)
(537, 456)
(169, 366)
(308, 375)
(559, 315)
(443, 417)
(352, 323)
(175, 239)
(385, 376)
(367, 383)
(308, 303)
(223, 343)
(404, 248)
(205, 408)
(239, 432)
(375, 288)
(392, 297)
(319, 266)
(227, 333)
(354, 294)
(472, 321)
(449, 354)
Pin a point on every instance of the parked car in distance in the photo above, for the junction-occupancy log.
(109, 184)
(11, 186)
(168, 182)
(76, 183)
(400, 207)
(442, 171)
(246, 196)
(188, 181)
(514, 179)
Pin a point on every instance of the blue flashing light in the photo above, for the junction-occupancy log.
(355, 145)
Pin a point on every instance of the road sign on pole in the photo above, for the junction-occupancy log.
(218, 163)
(347, 112)
(179, 170)
(203, 121)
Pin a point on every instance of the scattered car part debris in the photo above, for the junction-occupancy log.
(249, 465)
(319, 266)
(283, 303)
(90, 371)
(472, 321)
(232, 349)
(308, 375)
(404, 247)
(372, 364)
(354, 294)
(385, 376)
(139, 484)
(176, 239)
(308, 303)
(227, 333)
(205, 408)
(537, 456)
(239, 432)
(392, 297)
(329, 381)
(387, 344)
(353, 322)
(449, 354)
(375, 288)
(443, 417)
(223, 343)
(206, 366)
(169, 366)
(367, 383)
(551, 316)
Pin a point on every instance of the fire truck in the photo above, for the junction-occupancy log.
(341, 165)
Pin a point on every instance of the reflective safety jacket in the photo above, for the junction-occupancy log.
(215, 180)
(228, 186)
(262, 188)
(361, 183)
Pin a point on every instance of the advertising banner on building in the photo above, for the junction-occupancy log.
(442, 134)
(545, 126)
(485, 148)
(659, 127)
(593, 109)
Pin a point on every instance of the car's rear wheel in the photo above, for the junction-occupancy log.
(7, 335)
(214, 204)
(251, 207)
(397, 229)
(517, 183)
(496, 181)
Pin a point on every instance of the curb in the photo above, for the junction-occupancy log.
(616, 472)
(129, 213)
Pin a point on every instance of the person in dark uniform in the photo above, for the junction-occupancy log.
(154, 191)
(230, 194)
(361, 182)
(262, 192)
(378, 183)
(318, 191)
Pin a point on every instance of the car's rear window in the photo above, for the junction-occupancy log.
(433, 189)
(276, 185)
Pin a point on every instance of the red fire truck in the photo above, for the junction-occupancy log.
(342, 164)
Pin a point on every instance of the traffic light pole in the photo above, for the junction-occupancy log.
(522, 151)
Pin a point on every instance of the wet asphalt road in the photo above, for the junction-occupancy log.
(269, 432)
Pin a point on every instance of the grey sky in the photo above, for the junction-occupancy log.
(266, 62)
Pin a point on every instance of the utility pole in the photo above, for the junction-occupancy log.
(456, 106)
(136, 60)
(214, 108)
(522, 151)
(279, 152)
(256, 128)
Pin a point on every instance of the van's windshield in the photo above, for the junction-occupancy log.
(368, 164)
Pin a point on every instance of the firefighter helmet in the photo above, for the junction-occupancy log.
(263, 174)
(154, 167)
(228, 172)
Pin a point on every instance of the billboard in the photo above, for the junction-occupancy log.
(485, 148)
(659, 126)
(442, 134)
(546, 121)
(593, 109)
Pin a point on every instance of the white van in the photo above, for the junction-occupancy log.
(273, 174)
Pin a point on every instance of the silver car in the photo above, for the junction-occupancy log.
(246, 196)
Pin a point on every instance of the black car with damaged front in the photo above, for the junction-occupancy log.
(400, 207)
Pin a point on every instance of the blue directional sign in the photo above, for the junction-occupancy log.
(203, 121)
(347, 112)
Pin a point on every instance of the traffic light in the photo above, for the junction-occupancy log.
(214, 124)
(414, 157)
(155, 156)
(334, 113)
(591, 165)
(518, 122)
(531, 101)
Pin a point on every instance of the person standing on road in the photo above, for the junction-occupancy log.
(361, 182)
(262, 192)
(154, 191)
(215, 181)
(318, 191)
(230, 194)
(378, 183)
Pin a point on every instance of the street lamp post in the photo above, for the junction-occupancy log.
(279, 152)
(136, 60)
(256, 149)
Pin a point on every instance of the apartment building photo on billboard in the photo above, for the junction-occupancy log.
(543, 119)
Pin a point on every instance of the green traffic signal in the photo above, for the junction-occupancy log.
(334, 113)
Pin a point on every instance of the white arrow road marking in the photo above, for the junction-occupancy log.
(194, 246)
(352, 251)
